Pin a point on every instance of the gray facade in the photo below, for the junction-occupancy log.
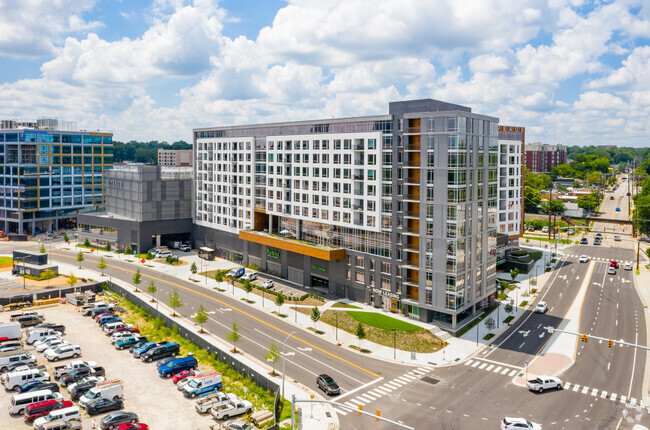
(145, 207)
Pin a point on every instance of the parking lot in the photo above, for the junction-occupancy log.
(155, 400)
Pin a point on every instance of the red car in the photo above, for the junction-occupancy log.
(129, 329)
(134, 426)
(613, 264)
(177, 377)
(40, 409)
(97, 317)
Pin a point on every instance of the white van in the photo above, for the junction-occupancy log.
(12, 380)
(39, 334)
(163, 254)
(67, 414)
(15, 357)
(20, 401)
(111, 390)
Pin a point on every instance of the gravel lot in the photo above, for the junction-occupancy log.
(156, 401)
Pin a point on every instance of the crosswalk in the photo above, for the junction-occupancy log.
(605, 259)
(505, 370)
(383, 390)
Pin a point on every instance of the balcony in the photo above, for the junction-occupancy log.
(293, 245)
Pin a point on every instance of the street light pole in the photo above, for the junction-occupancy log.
(394, 344)
(283, 360)
(336, 314)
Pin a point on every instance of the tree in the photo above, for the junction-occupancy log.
(80, 258)
(72, 281)
(509, 308)
(219, 276)
(175, 301)
(641, 214)
(201, 317)
(108, 247)
(272, 355)
(360, 332)
(102, 265)
(42, 249)
(588, 202)
(315, 315)
(513, 274)
(248, 287)
(128, 250)
(234, 336)
(87, 242)
(137, 279)
(490, 324)
(193, 269)
(152, 289)
(557, 206)
(65, 237)
(532, 200)
(279, 301)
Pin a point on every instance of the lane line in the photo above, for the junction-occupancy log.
(364, 386)
(636, 341)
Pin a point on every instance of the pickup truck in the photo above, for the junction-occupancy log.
(97, 307)
(56, 327)
(25, 314)
(204, 404)
(81, 373)
(28, 320)
(231, 409)
(161, 351)
(542, 383)
(59, 371)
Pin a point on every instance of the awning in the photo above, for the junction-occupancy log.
(206, 249)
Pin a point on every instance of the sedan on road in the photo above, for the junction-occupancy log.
(627, 266)
(327, 384)
(541, 307)
(584, 241)
(613, 264)
(584, 259)
(611, 271)
(518, 423)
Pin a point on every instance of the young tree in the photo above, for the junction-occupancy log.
(175, 301)
(201, 317)
(490, 324)
(128, 250)
(72, 281)
(248, 287)
(193, 269)
(65, 237)
(272, 355)
(360, 332)
(151, 289)
(513, 274)
(87, 242)
(102, 265)
(42, 249)
(509, 309)
(315, 315)
(219, 276)
(108, 247)
(137, 279)
(80, 258)
(279, 301)
(234, 336)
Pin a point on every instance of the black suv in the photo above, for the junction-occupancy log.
(584, 241)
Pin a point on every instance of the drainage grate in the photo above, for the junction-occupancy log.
(430, 380)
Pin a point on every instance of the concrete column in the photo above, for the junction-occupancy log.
(158, 239)
(56, 223)
(453, 322)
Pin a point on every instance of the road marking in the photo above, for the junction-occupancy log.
(506, 370)
(364, 386)
(358, 401)
(584, 390)
(366, 398)
(576, 387)
(594, 392)
(613, 398)
(513, 373)
(408, 377)
(623, 399)
(498, 369)
(521, 345)
(567, 385)
(340, 412)
(379, 391)
(483, 365)
(636, 340)
(476, 363)
(633, 401)
(243, 312)
(468, 362)
(402, 380)
(490, 367)
(352, 405)
(425, 369)
(391, 385)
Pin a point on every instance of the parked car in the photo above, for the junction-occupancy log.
(62, 425)
(127, 329)
(12, 380)
(519, 424)
(268, 283)
(40, 409)
(63, 351)
(59, 371)
(99, 406)
(231, 409)
(541, 307)
(142, 348)
(186, 248)
(164, 361)
(80, 373)
(29, 385)
(17, 366)
(249, 276)
(174, 366)
(327, 384)
(599, 235)
(236, 272)
(545, 229)
(132, 426)
(543, 382)
(56, 327)
(618, 209)
(69, 413)
(161, 351)
(584, 241)
(114, 419)
(239, 425)
(108, 319)
(52, 386)
(177, 377)
(81, 388)
(51, 344)
(127, 342)
(627, 266)
(597, 241)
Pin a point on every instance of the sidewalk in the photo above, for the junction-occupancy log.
(642, 285)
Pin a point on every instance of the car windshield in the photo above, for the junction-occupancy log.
(193, 383)
(330, 382)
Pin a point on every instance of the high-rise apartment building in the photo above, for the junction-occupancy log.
(50, 176)
(542, 157)
(511, 180)
(175, 157)
(397, 210)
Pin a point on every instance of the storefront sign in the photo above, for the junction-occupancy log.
(382, 292)
(322, 269)
(272, 253)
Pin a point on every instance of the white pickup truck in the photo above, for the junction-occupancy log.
(204, 404)
(543, 382)
(231, 409)
(62, 370)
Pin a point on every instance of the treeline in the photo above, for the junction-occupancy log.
(143, 152)
(587, 160)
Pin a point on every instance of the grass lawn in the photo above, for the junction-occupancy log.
(5, 260)
(409, 337)
(345, 305)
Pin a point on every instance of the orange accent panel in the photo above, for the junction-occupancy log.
(298, 248)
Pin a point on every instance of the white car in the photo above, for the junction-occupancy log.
(545, 229)
(541, 307)
(120, 335)
(518, 423)
(584, 259)
(46, 339)
(186, 248)
(97, 379)
(250, 276)
(50, 344)
(627, 266)
(268, 283)
(63, 351)
(611, 271)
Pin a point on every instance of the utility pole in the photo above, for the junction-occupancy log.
(550, 198)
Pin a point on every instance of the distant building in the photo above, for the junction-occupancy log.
(175, 157)
(511, 181)
(542, 157)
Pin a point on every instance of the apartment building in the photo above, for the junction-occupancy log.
(511, 181)
(542, 157)
(175, 157)
(397, 210)
(49, 176)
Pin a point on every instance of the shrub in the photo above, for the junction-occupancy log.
(86, 242)
(519, 253)
(108, 247)
(128, 250)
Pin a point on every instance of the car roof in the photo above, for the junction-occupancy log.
(514, 420)
(325, 376)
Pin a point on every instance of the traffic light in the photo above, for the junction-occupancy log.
(360, 409)
(444, 343)
(585, 338)
(378, 414)
(611, 343)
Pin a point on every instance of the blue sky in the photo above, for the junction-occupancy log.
(571, 71)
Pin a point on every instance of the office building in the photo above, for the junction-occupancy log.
(511, 182)
(50, 176)
(146, 206)
(396, 210)
(175, 157)
(541, 157)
